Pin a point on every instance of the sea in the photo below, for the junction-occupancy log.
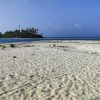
(16, 40)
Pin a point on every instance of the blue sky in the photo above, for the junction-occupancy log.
(54, 18)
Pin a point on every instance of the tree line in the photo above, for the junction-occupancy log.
(24, 33)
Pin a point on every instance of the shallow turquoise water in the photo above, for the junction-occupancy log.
(14, 40)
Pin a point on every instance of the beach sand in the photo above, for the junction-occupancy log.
(50, 70)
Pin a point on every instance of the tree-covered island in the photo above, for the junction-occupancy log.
(24, 33)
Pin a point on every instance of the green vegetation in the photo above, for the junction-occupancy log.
(24, 33)
(2, 46)
(12, 45)
(29, 45)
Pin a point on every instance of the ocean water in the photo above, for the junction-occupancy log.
(14, 40)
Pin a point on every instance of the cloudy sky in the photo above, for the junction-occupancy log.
(54, 18)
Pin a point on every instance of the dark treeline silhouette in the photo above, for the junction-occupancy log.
(24, 33)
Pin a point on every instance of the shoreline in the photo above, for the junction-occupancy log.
(29, 40)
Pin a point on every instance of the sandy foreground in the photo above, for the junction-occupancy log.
(53, 70)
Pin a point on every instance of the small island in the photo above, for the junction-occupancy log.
(24, 33)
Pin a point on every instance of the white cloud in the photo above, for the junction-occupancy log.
(77, 25)
(49, 23)
(57, 27)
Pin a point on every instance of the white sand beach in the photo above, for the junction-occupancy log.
(52, 70)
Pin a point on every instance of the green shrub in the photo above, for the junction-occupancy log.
(12, 45)
(2, 46)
